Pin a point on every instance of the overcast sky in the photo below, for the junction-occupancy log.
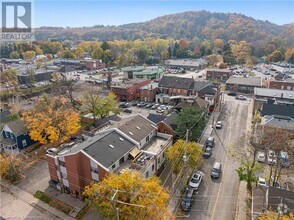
(77, 13)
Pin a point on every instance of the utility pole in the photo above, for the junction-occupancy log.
(185, 159)
(114, 204)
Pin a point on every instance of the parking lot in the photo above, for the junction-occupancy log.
(143, 110)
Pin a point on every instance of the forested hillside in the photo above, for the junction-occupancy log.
(201, 24)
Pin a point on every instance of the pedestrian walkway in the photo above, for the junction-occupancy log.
(51, 212)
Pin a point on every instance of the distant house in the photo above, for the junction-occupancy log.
(165, 123)
(173, 85)
(148, 92)
(94, 64)
(188, 64)
(278, 121)
(207, 91)
(67, 72)
(129, 90)
(280, 83)
(271, 199)
(282, 67)
(274, 96)
(150, 73)
(15, 136)
(195, 102)
(243, 84)
(220, 75)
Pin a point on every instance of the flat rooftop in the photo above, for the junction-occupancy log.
(155, 145)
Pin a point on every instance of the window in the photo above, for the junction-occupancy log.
(12, 136)
(64, 176)
(6, 133)
(62, 163)
(24, 143)
(147, 138)
(121, 160)
(152, 167)
(94, 170)
(113, 166)
(147, 174)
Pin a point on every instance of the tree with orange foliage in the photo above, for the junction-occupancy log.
(129, 196)
(51, 120)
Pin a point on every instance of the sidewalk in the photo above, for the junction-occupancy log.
(175, 191)
(51, 212)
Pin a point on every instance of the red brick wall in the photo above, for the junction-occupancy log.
(163, 128)
(280, 85)
(52, 168)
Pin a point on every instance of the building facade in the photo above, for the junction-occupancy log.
(220, 75)
(129, 90)
(148, 92)
(243, 84)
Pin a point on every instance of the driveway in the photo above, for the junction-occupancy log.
(36, 178)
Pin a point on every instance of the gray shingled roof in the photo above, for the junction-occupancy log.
(17, 127)
(155, 118)
(197, 103)
(272, 109)
(103, 152)
(277, 196)
(198, 85)
(3, 115)
(170, 120)
(247, 81)
(284, 122)
(137, 127)
(104, 121)
(176, 82)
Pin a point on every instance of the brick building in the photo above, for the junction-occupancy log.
(148, 92)
(94, 64)
(129, 90)
(284, 83)
(243, 84)
(133, 143)
(173, 85)
(220, 75)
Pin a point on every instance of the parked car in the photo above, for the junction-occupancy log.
(195, 181)
(149, 105)
(23, 87)
(159, 110)
(135, 103)
(188, 200)
(232, 93)
(218, 125)
(241, 97)
(261, 181)
(155, 106)
(127, 110)
(207, 152)
(216, 170)
(124, 105)
(261, 156)
(271, 157)
(284, 159)
(52, 151)
(209, 142)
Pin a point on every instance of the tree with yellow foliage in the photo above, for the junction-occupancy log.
(52, 119)
(10, 167)
(130, 196)
(175, 154)
(274, 216)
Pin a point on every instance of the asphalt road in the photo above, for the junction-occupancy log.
(217, 199)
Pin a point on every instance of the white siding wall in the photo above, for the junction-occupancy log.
(95, 176)
(56, 161)
(143, 141)
(65, 182)
(61, 158)
(63, 169)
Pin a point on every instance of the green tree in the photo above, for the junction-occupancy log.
(130, 195)
(14, 55)
(187, 118)
(175, 154)
(107, 56)
(10, 167)
(107, 104)
(105, 46)
(142, 54)
(67, 54)
(91, 103)
(97, 53)
(29, 56)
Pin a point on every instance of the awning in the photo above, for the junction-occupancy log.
(135, 152)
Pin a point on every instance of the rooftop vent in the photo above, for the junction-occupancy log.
(121, 139)
(111, 146)
(138, 127)
(130, 133)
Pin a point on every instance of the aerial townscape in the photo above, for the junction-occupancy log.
(184, 114)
